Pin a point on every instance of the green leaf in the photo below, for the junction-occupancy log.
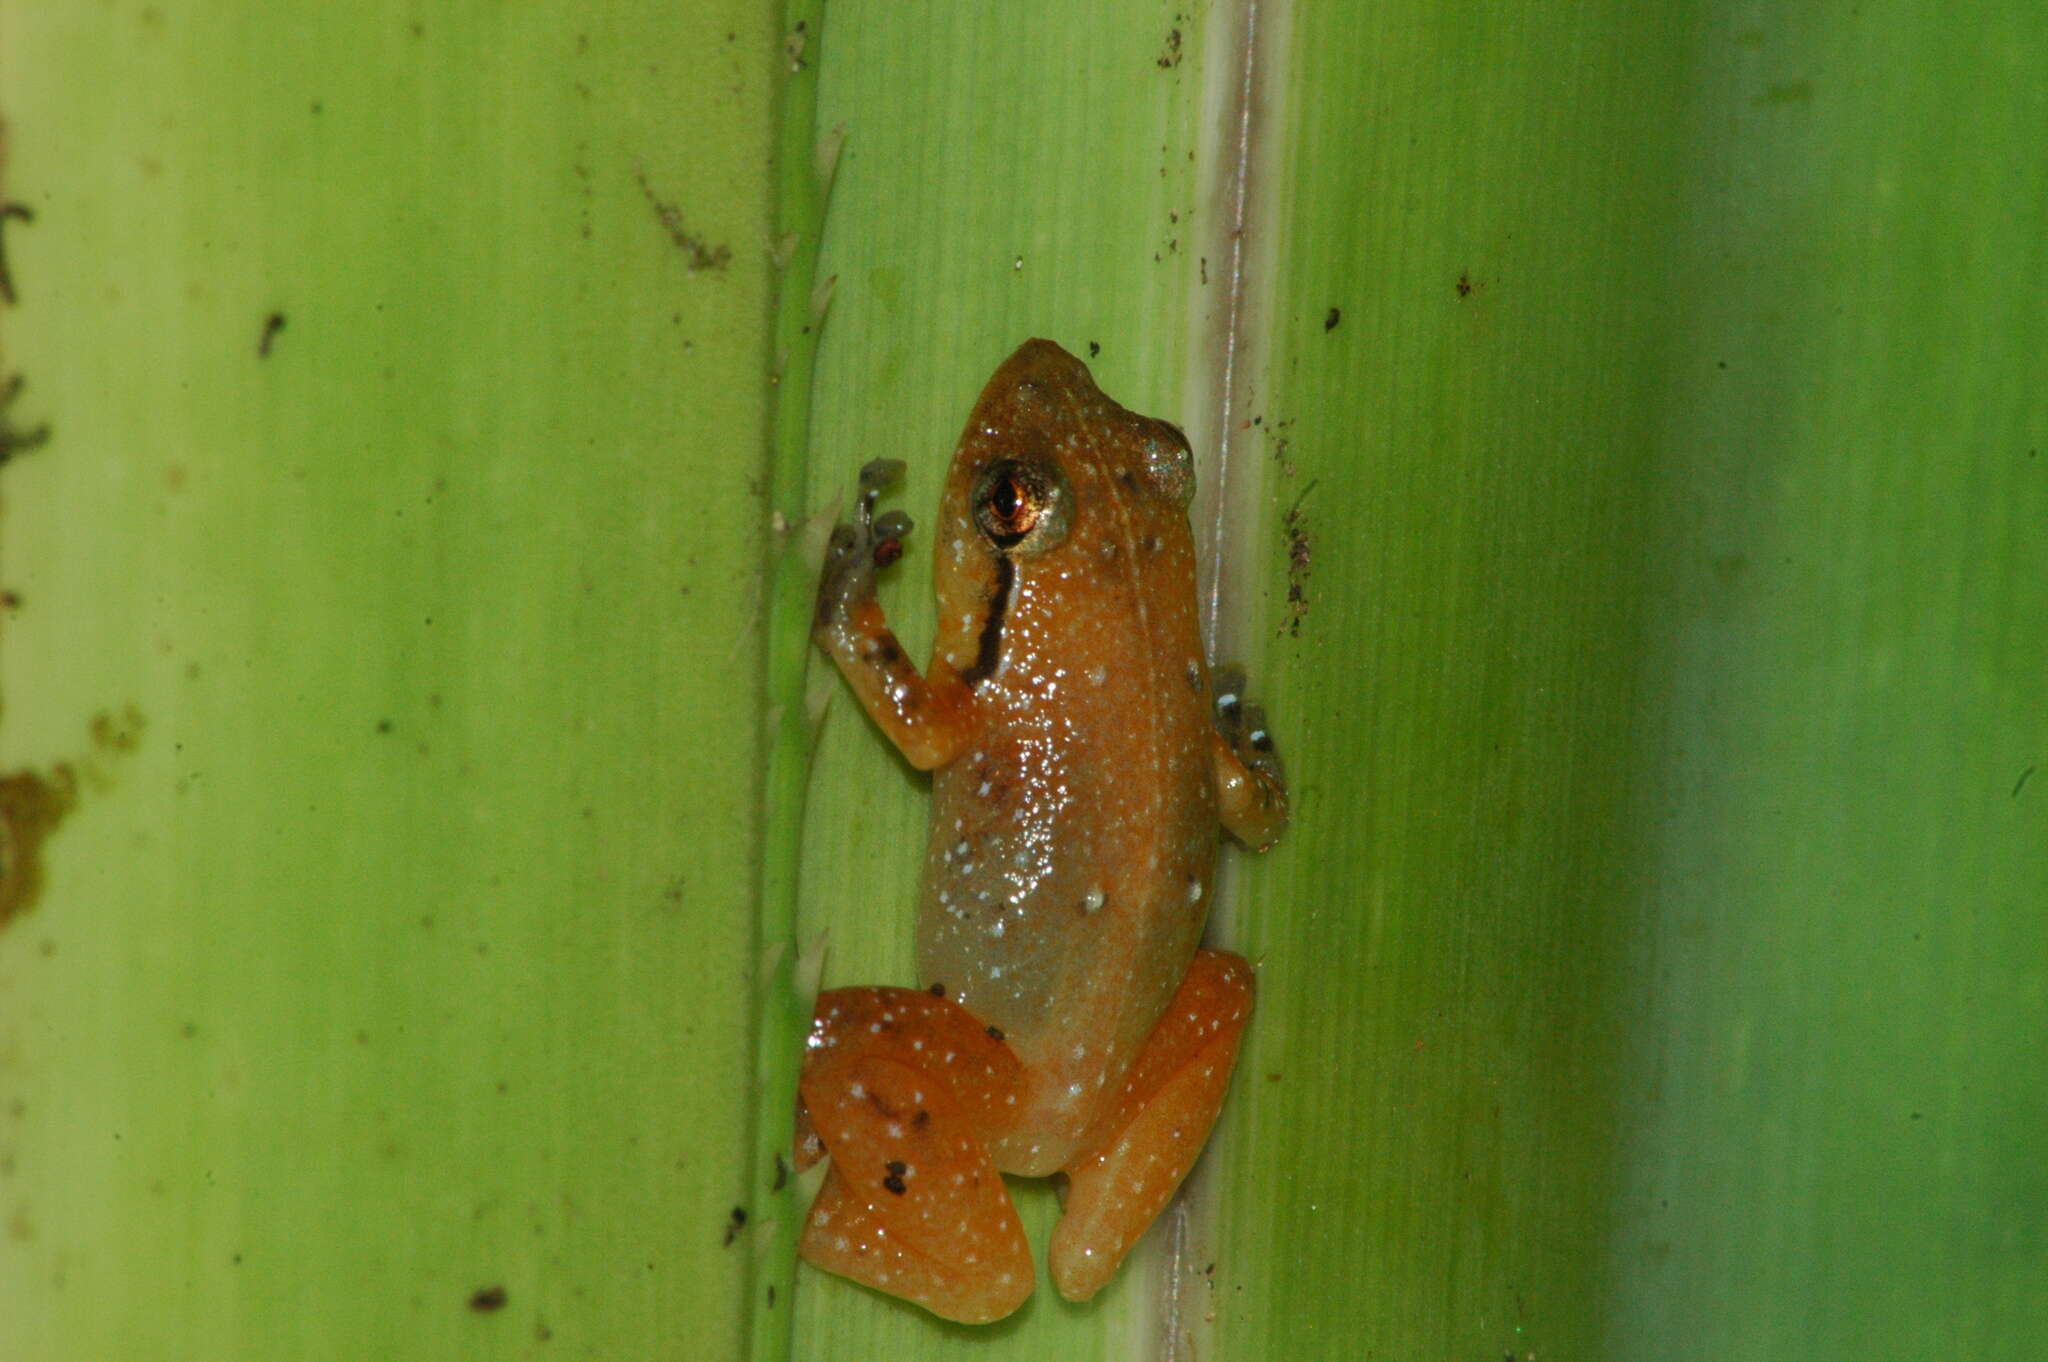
(1622, 437)
(406, 959)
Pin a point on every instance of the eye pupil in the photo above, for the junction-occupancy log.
(1009, 498)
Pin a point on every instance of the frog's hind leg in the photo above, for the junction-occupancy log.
(901, 1089)
(1134, 1158)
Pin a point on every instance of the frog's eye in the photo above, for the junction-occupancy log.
(1170, 463)
(1021, 507)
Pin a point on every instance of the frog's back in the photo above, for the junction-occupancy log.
(1067, 873)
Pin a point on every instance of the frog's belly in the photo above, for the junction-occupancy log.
(1066, 931)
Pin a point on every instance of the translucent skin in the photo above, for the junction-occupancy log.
(1082, 769)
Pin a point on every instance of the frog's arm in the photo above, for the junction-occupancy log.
(930, 718)
(1251, 791)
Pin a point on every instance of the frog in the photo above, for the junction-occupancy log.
(1084, 763)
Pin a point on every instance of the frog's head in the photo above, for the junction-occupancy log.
(1052, 479)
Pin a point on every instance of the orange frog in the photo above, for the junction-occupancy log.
(1081, 769)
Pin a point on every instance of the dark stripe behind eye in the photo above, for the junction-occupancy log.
(992, 628)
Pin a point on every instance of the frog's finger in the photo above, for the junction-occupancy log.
(879, 474)
(1227, 685)
(1258, 743)
(894, 525)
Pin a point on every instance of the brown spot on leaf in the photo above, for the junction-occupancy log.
(10, 212)
(117, 732)
(14, 440)
(1300, 557)
(700, 254)
(31, 807)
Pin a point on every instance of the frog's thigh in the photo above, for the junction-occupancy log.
(1138, 1154)
(912, 1203)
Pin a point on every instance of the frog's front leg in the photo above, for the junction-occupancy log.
(929, 719)
(1251, 791)
(903, 1090)
(1136, 1155)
